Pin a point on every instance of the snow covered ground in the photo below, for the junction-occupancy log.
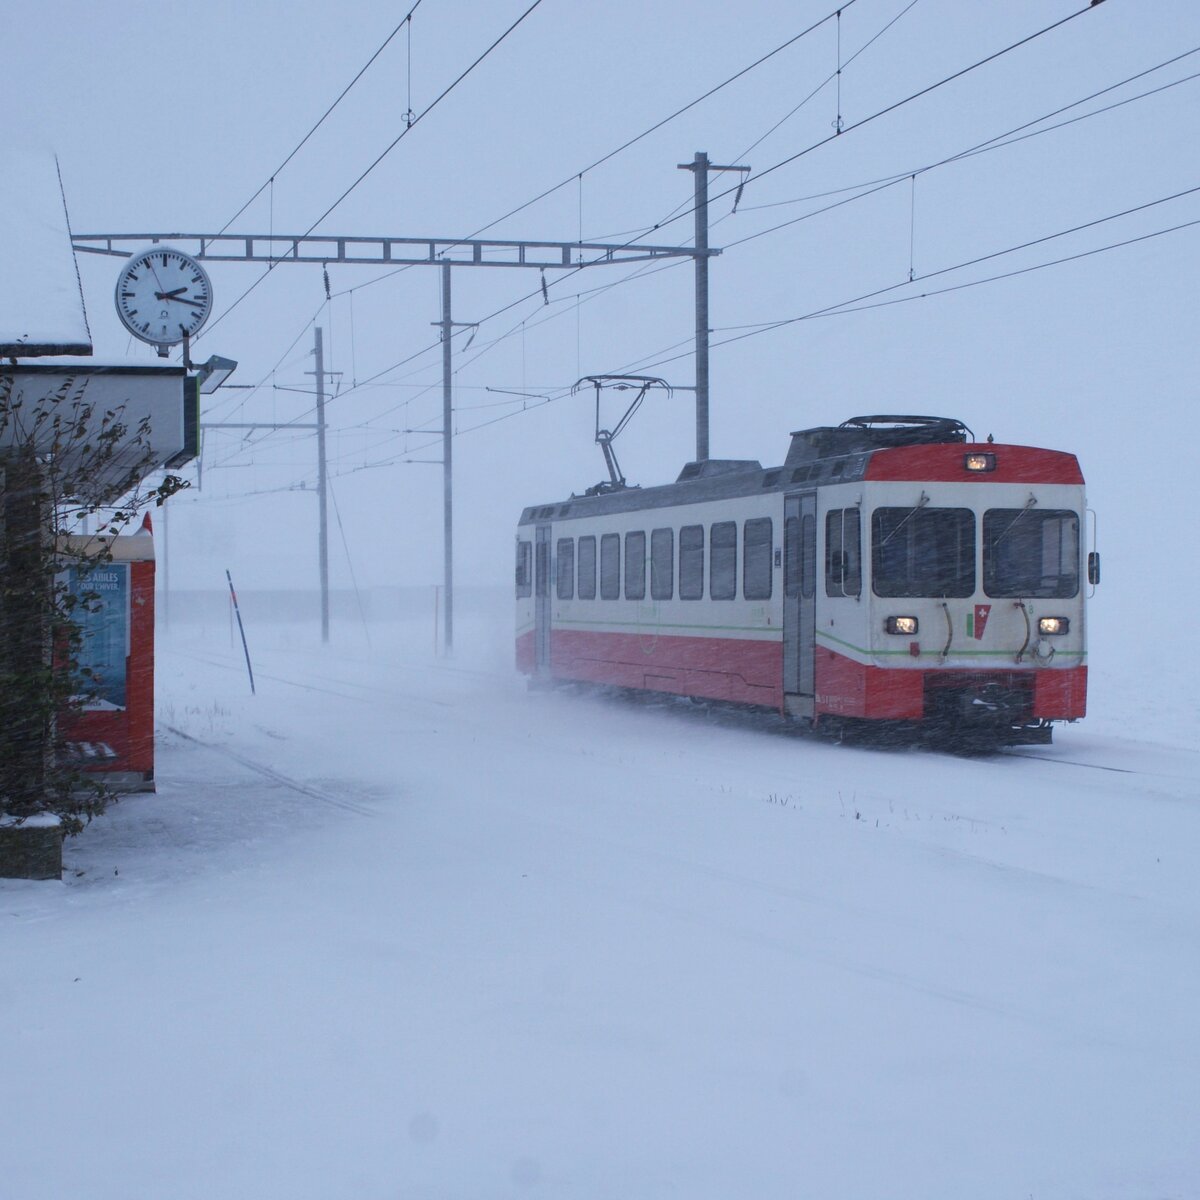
(397, 927)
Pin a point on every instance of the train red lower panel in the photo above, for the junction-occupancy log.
(740, 670)
(847, 688)
(748, 671)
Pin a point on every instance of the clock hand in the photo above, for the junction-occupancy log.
(150, 264)
(170, 295)
(184, 300)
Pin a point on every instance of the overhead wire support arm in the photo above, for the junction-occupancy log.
(387, 251)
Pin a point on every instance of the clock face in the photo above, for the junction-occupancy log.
(163, 296)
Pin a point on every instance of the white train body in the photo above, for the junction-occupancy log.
(889, 571)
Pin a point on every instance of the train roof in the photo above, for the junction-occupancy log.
(862, 448)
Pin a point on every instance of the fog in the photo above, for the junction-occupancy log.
(398, 926)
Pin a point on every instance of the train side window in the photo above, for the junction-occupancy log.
(691, 562)
(662, 564)
(566, 568)
(610, 566)
(635, 566)
(843, 561)
(587, 568)
(757, 536)
(524, 572)
(722, 548)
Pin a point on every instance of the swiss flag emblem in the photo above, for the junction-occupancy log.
(982, 611)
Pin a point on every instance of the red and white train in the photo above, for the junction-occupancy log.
(891, 571)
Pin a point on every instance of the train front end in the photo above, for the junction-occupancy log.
(970, 619)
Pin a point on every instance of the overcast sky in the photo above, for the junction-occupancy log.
(170, 117)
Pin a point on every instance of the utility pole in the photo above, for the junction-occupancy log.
(700, 167)
(323, 533)
(448, 325)
(447, 461)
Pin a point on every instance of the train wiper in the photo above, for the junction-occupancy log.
(1009, 527)
(916, 508)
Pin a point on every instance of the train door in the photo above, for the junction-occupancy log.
(541, 599)
(799, 596)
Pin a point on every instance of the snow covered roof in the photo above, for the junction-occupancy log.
(41, 303)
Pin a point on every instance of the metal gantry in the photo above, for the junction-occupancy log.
(385, 251)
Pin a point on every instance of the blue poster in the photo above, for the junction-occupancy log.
(105, 631)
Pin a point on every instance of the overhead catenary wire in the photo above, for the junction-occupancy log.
(792, 158)
(841, 308)
(1042, 266)
(578, 176)
(645, 133)
(270, 181)
(409, 126)
(834, 310)
(825, 82)
(918, 95)
(688, 210)
(768, 326)
(758, 177)
(633, 141)
(999, 142)
(242, 400)
(1010, 137)
(844, 306)
(1001, 139)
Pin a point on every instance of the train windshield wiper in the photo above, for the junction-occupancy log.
(1012, 524)
(916, 508)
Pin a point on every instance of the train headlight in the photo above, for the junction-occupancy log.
(1052, 626)
(902, 625)
(980, 462)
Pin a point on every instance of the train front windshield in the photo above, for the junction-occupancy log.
(931, 552)
(924, 551)
(1031, 554)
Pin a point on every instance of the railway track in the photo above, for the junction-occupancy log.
(277, 777)
(365, 693)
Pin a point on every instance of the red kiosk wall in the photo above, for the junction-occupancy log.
(129, 732)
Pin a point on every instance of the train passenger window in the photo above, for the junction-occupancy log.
(610, 566)
(1031, 554)
(843, 562)
(757, 536)
(524, 565)
(566, 568)
(541, 567)
(691, 562)
(635, 566)
(918, 551)
(722, 548)
(662, 564)
(587, 568)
